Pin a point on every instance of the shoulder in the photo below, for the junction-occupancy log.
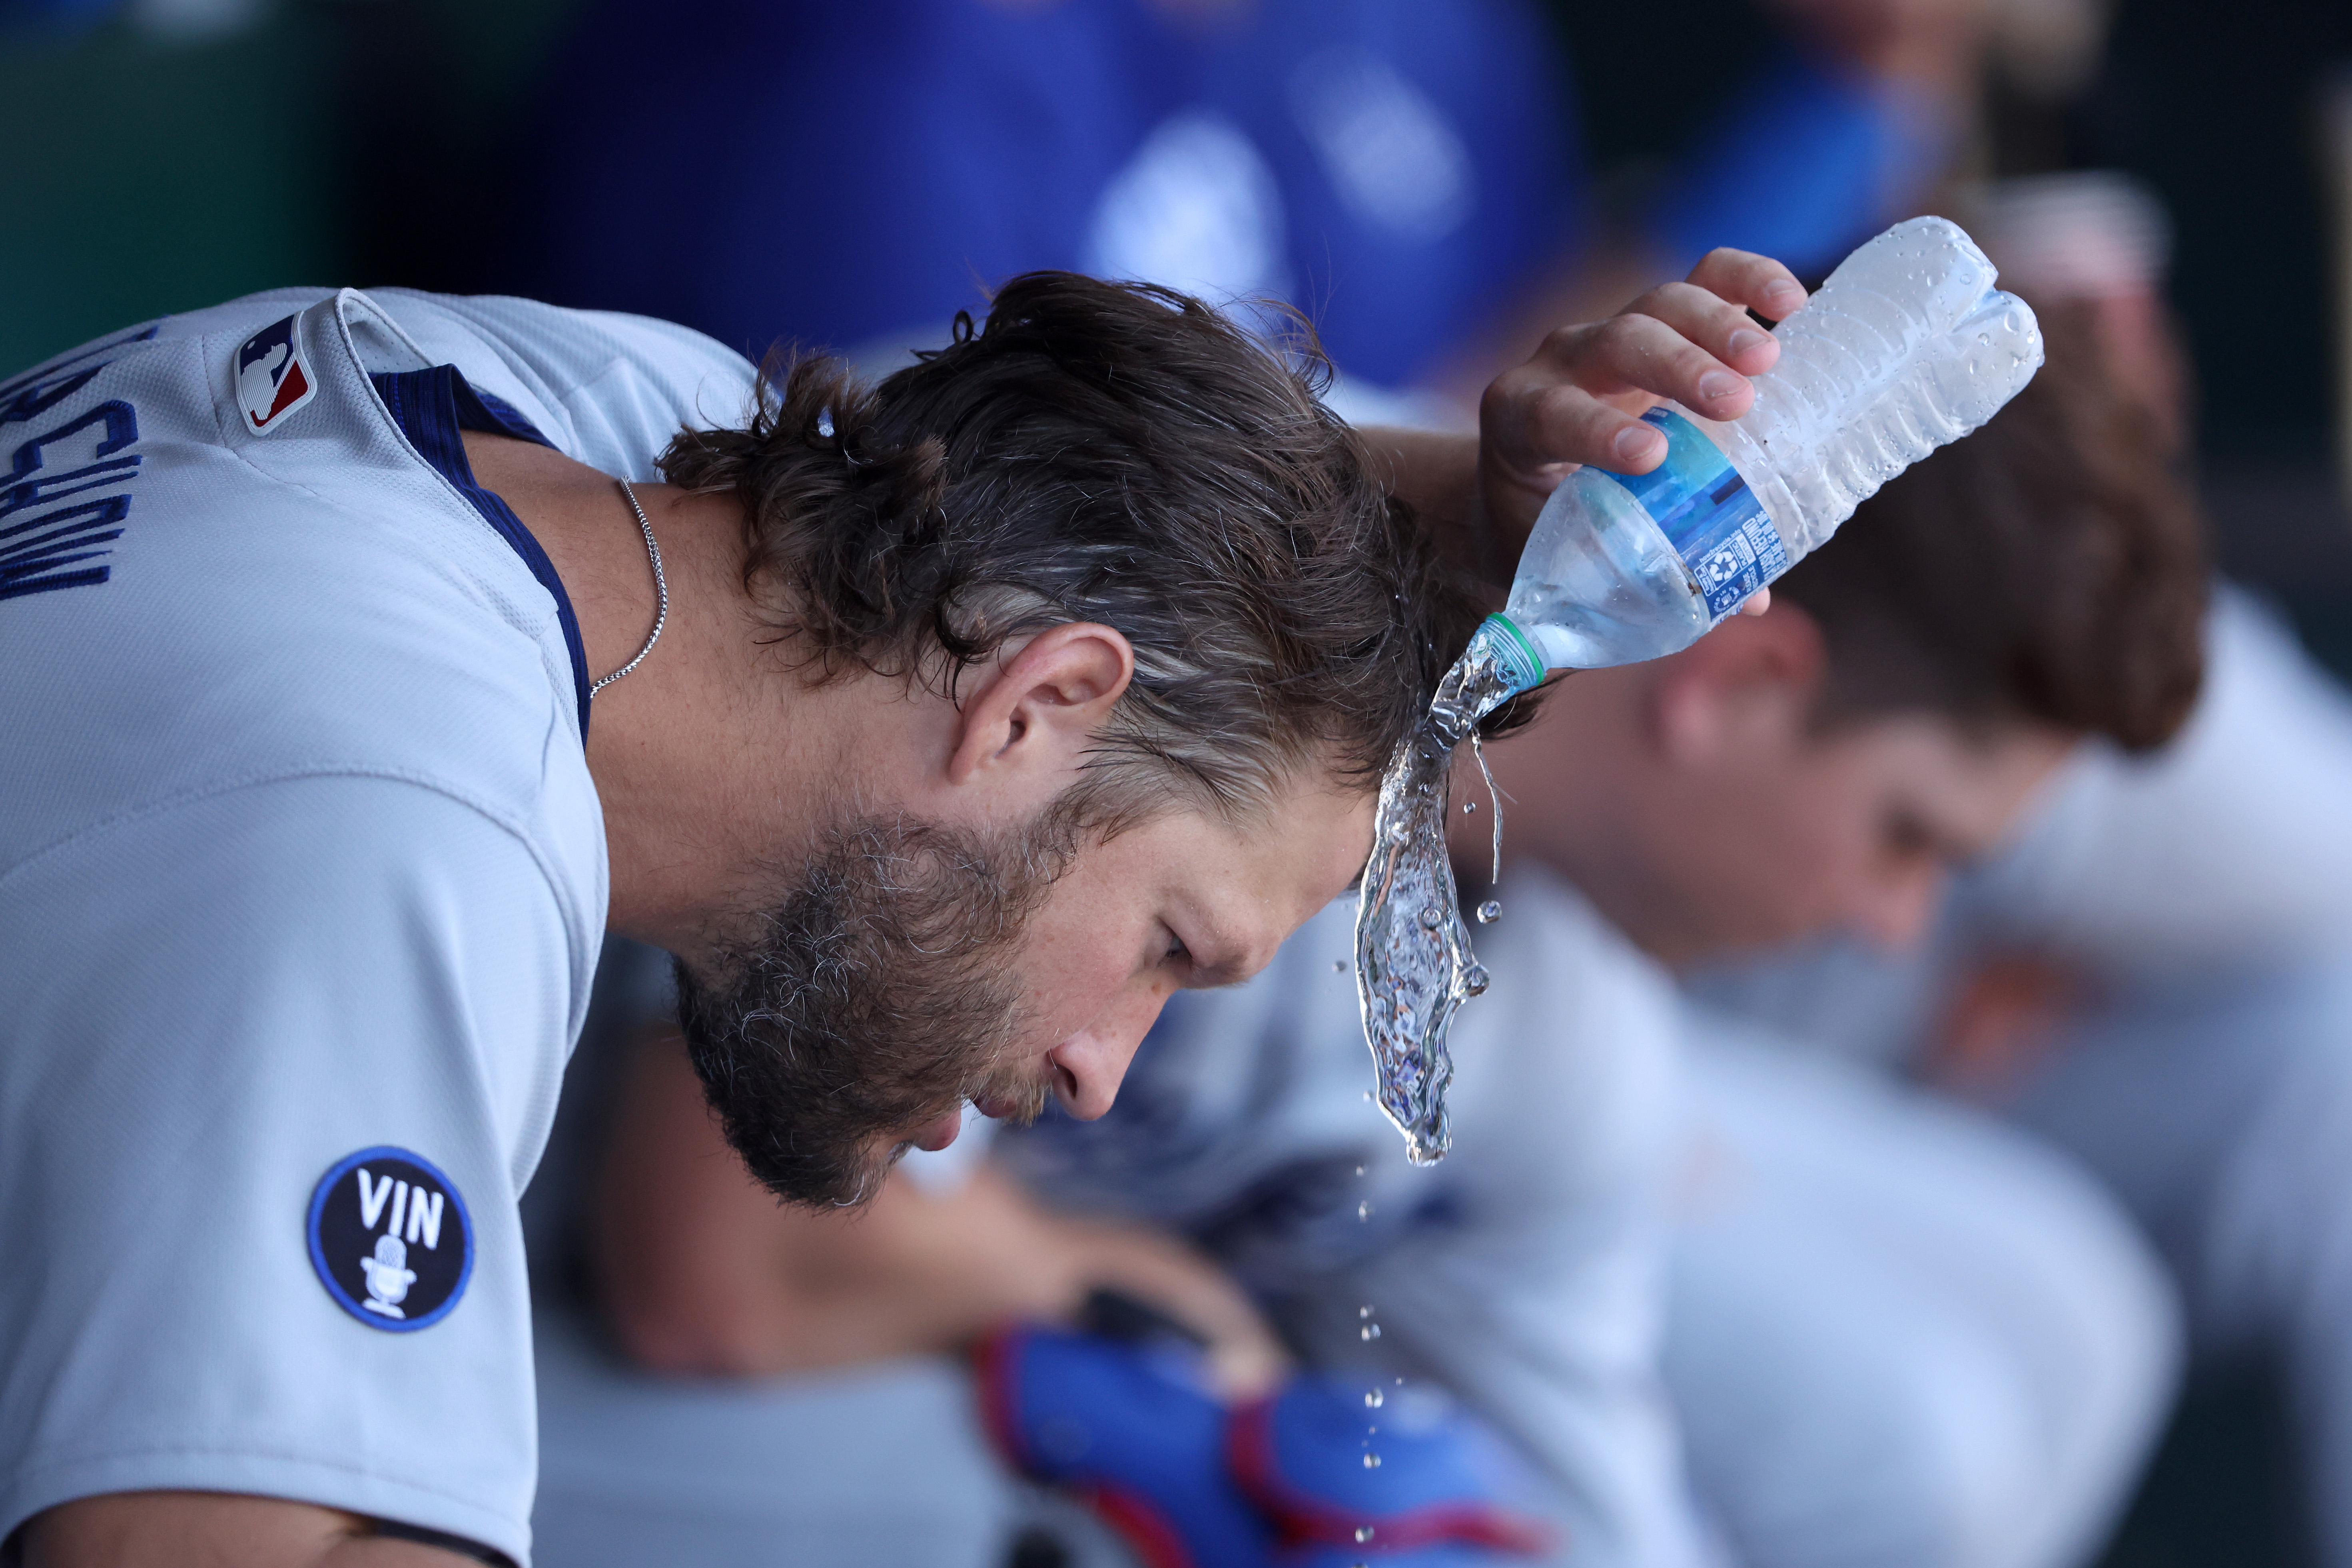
(605, 388)
(208, 595)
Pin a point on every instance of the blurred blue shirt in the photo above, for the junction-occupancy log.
(840, 174)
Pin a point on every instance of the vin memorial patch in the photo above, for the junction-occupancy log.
(391, 1240)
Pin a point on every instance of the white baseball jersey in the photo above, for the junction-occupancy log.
(303, 880)
(1523, 1273)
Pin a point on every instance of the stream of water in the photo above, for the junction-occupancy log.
(1415, 967)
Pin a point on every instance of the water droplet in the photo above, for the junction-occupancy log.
(1490, 912)
(1364, 1210)
(1431, 916)
(1374, 1399)
(1363, 1311)
(1360, 1170)
(1372, 1461)
(1338, 966)
(1469, 808)
(1368, 1333)
(1475, 980)
(1364, 1533)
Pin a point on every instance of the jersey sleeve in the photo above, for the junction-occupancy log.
(280, 1058)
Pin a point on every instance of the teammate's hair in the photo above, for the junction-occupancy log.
(1109, 452)
(2049, 568)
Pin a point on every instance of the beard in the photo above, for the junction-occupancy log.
(877, 996)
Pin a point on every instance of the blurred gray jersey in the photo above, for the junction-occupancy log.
(303, 880)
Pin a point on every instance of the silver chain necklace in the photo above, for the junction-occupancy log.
(661, 592)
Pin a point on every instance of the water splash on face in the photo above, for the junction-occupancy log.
(1414, 964)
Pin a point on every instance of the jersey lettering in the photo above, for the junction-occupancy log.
(424, 1219)
(414, 1210)
(372, 1197)
(81, 453)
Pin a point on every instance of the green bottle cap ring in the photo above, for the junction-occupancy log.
(1515, 652)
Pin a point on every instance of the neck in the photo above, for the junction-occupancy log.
(705, 759)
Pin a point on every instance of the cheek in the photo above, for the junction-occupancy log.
(1071, 976)
(1804, 859)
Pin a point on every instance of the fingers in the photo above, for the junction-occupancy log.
(1749, 280)
(1712, 323)
(1579, 400)
(1541, 416)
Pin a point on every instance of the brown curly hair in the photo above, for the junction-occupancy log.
(1116, 453)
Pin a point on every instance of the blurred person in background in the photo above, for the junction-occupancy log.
(1409, 175)
(1823, 763)
(2157, 978)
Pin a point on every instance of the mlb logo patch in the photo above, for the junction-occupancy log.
(271, 379)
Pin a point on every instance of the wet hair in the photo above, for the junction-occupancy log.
(2049, 568)
(1116, 453)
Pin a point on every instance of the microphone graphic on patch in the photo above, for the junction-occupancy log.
(388, 1276)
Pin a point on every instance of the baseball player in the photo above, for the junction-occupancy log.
(308, 838)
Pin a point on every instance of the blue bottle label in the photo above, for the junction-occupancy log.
(1708, 514)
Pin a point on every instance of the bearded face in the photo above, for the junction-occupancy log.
(873, 999)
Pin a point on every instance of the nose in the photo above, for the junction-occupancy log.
(1090, 1065)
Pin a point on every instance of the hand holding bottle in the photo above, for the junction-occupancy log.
(1579, 397)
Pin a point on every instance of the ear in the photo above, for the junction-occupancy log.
(1039, 706)
(1751, 681)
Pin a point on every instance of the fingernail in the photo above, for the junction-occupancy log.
(1745, 338)
(1783, 297)
(1633, 442)
(1717, 384)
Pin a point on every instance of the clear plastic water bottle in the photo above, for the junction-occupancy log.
(1906, 347)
